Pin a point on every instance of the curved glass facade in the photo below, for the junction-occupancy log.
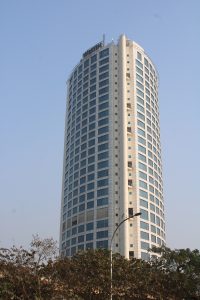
(112, 155)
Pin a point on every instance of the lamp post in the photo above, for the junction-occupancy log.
(111, 267)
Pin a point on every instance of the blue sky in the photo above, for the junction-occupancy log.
(41, 41)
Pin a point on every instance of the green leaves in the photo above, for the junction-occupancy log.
(39, 274)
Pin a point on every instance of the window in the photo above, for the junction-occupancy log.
(103, 155)
(103, 147)
(102, 244)
(89, 236)
(104, 61)
(104, 53)
(103, 114)
(102, 234)
(142, 149)
(144, 235)
(144, 245)
(144, 215)
(103, 182)
(142, 175)
(141, 132)
(89, 226)
(103, 164)
(102, 192)
(80, 228)
(103, 138)
(102, 173)
(103, 106)
(103, 130)
(141, 157)
(143, 203)
(144, 225)
(81, 239)
(102, 223)
(103, 122)
(142, 166)
(102, 201)
(143, 194)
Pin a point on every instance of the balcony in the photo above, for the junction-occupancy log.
(129, 130)
(128, 105)
(130, 165)
(130, 182)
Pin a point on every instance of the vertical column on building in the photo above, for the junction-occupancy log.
(123, 231)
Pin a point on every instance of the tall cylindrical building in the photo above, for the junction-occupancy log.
(112, 154)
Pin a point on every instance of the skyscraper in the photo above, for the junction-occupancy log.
(112, 153)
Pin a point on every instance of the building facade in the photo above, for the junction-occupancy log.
(112, 154)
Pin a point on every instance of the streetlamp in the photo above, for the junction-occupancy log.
(111, 267)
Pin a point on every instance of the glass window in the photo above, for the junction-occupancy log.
(89, 226)
(104, 68)
(145, 245)
(144, 225)
(102, 201)
(103, 122)
(103, 114)
(103, 82)
(143, 203)
(103, 182)
(90, 205)
(103, 147)
(104, 53)
(89, 236)
(103, 138)
(104, 75)
(144, 215)
(103, 164)
(142, 175)
(102, 234)
(104, 61)
(103, 129)
(142, 149)
(102, 244)
(102, 192)
(90, 195)
(102, 173)
(81, 228)
(143, 194)
(142, 166)
(90, 186)
(80, 238)
(141, 157)
(141, 132)
(144, 235)
(102, 223)
(103, 155)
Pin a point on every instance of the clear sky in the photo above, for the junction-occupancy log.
(40, 43)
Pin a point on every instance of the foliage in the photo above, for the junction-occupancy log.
(37, 274)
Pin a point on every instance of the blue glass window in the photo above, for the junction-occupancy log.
(90, 205)
(102, 234)
(102, 192)
(102, 201)
(103, 164)
(103, 138)
(102, 223)
(89, 226)
(89, 236)
(90, 195)
(102, 244)
(103, 147)
(103, 155)
(103, 182)
(102, 173)
(104, 53)
(103, 129)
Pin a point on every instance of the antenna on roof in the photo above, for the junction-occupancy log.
(104, 39)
